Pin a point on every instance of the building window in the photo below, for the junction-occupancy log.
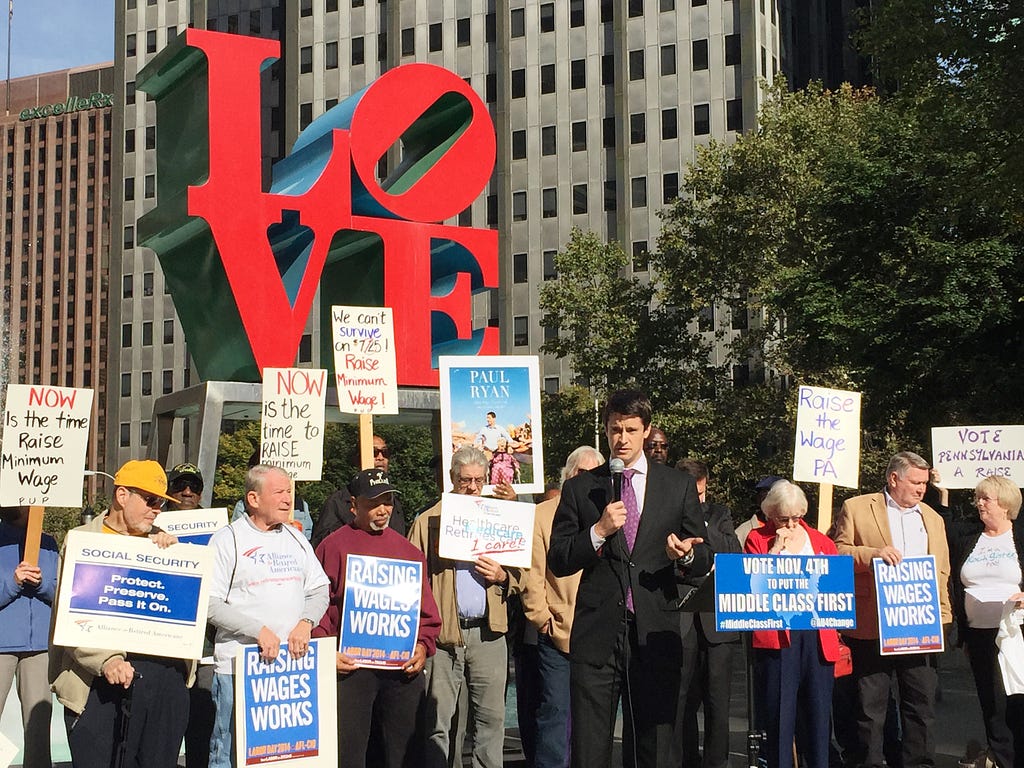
(517, 22)
(126, 334)
(305, 7)
(699, 50)
(127, 286)
(550, 270)
(547, 17)
(608, 132)
(739, 320)
(492, 210)
(147, 283)
(306, 59)
(551, 385)
(147, 334)
(637, 128)
(518, 83)
(607, 11)
(462, 32)
(518, 145)
(168, 331)
(635, 8)
(668, 60)
(125, 434)
(550, 333)
(734, 115)
(701, 119)
(549, 202)
(151, 41)
(306, 348)
(577, 13)
(666, 5)
(129, 140)
(129, 46)
(578, 74)
(129, 237)
(547, 78)
(520, 331)
(641, 259)
(706, 318)
(638, 191)
(434, 37)
(696, 3)
(607, 69)
(579, 198)
(129, 189)
(126, 385)
(305, 115)
(520, 272)
(609, 196)
(636, 65)
(409, 41)
(150, 186)
(145, 429)
(547, 140)
(732, 50)
(331, 55)
(579, 136)
(669, 124)
(358, 51)
(669, 187)
(519, 206)
(167, 381)
(147, 383)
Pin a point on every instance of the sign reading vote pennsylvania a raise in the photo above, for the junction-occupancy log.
(125, 592)
(909, 617)
(381, 611)
(784, 592)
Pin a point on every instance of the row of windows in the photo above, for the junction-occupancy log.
(43, 129)
(147, 333)
(146, 383)
(580, 197)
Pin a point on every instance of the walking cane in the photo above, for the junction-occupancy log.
(124, 718)
(755, 737)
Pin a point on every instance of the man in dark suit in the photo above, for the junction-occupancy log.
(707, 679)
(633, 550)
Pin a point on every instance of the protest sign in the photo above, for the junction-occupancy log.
(124, 592)
(963, 456)
(286, 710)
(784, 592)
(192, 526)
(493, 403)
(909, 615)
(292, 422)
(381, 610)
(46, 431)
(472, 526)
(365, 371)
(827, 437)
(8, 751)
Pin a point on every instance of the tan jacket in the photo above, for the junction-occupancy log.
(72, 670)
(549, 601)
(861, 528)
(425, 535)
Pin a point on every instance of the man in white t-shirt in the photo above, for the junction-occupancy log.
(268, 588)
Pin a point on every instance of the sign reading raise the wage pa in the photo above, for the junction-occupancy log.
(827, 437)
(46, 430)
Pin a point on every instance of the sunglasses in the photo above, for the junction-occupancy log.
(381, 452)
(180, 485)
(152, 501)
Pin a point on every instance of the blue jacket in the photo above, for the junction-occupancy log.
(25, 610)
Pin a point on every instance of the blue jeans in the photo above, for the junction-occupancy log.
(222, 752)
(553, 712)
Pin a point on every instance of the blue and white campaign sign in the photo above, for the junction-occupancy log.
(286, 709)
(381, 610)
(192, 526)
(124, 592)
(909, 615)
(784, 592)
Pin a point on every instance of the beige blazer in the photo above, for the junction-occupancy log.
(862, 527)
(548, 600)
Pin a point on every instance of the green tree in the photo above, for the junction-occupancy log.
(569, 421)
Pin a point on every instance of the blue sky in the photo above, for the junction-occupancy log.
(56, 34)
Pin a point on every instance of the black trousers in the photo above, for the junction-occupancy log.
(201, 712)
(386, 698)
(917, 680)
(1003, 715)
(141, 727)
(708, 685)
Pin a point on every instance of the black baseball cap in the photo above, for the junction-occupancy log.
(767, 482)
(184, 470)
(370, 483)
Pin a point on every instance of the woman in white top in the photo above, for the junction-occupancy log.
(987, 572)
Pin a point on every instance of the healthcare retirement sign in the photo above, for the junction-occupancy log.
(909, 615)
(380, 618)
(125, 592)
(472, 526)
(286, 709)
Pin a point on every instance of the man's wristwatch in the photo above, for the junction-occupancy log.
(686, 559)
(311, 622)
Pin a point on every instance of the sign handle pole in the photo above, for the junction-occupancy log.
(824, 507)
(366, 440)
(33, 535)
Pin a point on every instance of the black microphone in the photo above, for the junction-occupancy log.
(616, 467)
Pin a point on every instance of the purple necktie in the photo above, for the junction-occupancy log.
(632, 521)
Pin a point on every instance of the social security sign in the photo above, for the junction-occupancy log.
(192, 526)
(909, 617)
(784, 592)
(381, 610)
(288, 711)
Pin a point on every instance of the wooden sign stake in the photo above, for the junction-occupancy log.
(366, 440)
(33, 534)
(824, 507)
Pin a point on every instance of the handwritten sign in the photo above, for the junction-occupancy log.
(472, 526)
(46, 431)
(364, 359)
(192, 526)
(784, 592)
(292, 423)
(125, 592)
(827, 437)
(286, 709)
(909, 616)
(964, 456)
(381, 610)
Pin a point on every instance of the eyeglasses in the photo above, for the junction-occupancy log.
(789, 519)
(152, 500)
(180, 485)
(381, 452)
(466, 482)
